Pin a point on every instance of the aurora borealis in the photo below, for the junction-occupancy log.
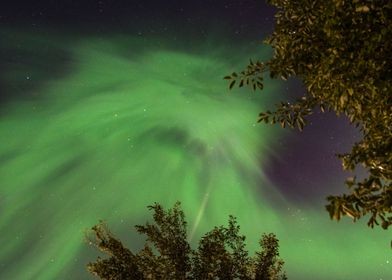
(98, 125)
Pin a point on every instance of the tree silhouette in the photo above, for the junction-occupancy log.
(221, 253)
(341, 51)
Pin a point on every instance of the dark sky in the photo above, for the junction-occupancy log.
(240, 17)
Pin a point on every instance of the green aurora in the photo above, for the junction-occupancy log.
(131, 121)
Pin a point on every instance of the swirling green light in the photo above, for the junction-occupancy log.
(125, 128)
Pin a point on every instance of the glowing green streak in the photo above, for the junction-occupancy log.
(122, 131)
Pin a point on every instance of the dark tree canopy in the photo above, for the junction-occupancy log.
(342, 52)
(221, 253)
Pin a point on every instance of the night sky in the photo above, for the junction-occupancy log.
(109, 106)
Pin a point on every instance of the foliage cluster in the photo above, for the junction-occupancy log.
(341, 51)
(221, 253)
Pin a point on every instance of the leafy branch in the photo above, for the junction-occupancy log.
(251, 76)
